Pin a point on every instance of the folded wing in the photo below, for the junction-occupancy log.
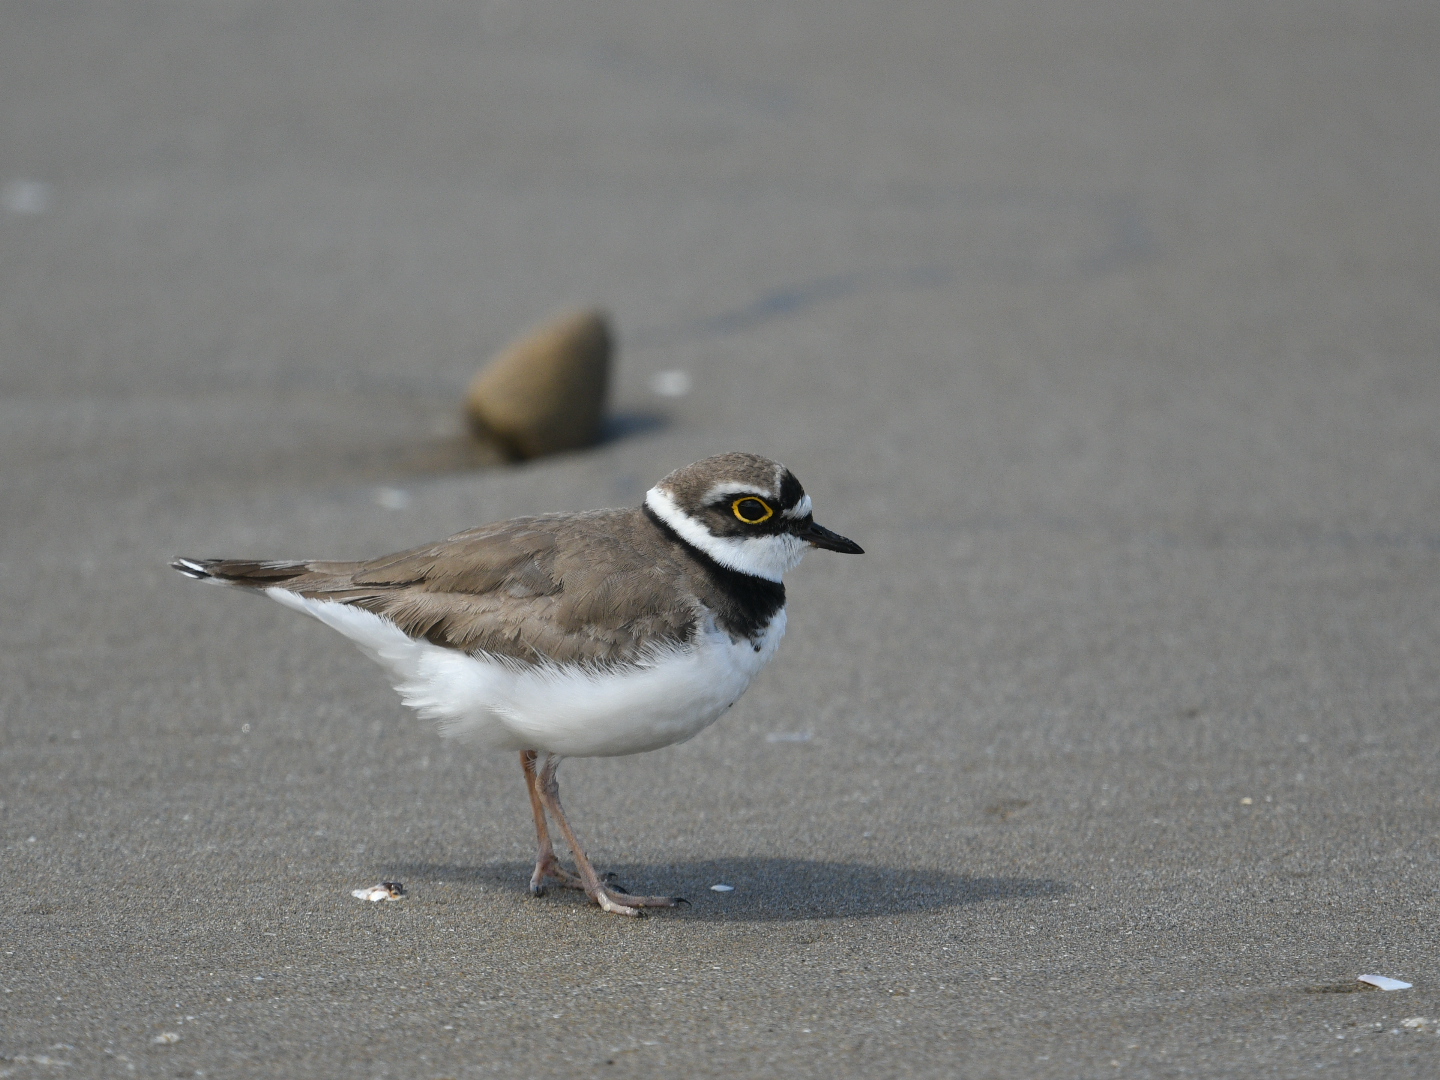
(564, 589)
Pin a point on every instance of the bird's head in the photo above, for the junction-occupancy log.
(746, 512)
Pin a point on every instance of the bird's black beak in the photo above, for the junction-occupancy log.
(821, 537)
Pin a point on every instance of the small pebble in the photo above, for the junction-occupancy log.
(166, 1038)
(722, 888)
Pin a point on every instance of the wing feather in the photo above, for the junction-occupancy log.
(586, 588)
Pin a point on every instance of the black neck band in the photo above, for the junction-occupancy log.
(747, 602)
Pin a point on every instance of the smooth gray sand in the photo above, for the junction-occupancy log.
(1108, 329)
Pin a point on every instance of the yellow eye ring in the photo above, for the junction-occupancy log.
(741, 514)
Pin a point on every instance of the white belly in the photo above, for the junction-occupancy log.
(567, 711)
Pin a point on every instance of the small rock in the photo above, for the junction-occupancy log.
(545, 393)
(166, 1038)
(722, 888)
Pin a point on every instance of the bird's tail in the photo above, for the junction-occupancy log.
(252, 575)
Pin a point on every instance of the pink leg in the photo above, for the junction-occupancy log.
(609, 897)
(547, 867)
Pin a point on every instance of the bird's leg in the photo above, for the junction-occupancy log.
(607, 896)
(547, 867)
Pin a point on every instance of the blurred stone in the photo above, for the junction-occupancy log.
(545, 392)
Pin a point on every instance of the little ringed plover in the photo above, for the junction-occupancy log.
(574, 635)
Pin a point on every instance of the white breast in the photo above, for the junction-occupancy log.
(574, 712)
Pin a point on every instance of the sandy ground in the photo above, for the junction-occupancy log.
(1108, 329)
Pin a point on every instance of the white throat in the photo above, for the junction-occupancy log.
(759, 556)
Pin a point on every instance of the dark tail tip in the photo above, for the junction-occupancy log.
(252, 575)
(192, 568)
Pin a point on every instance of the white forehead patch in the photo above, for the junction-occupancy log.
(801, 509)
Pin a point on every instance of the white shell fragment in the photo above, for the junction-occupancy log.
(1383, 982)
(386, 890)
(722, 888)
(166, 1038)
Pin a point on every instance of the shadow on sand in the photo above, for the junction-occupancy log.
(772, 889)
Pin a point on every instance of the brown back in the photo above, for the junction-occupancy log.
(603, 588)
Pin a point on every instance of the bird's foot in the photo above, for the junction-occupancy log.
(548, 871)
(613, 899)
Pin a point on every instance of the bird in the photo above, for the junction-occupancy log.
(587, 634)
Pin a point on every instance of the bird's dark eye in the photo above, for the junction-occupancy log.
(752, 511)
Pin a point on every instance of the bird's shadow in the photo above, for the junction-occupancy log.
(771, 889)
